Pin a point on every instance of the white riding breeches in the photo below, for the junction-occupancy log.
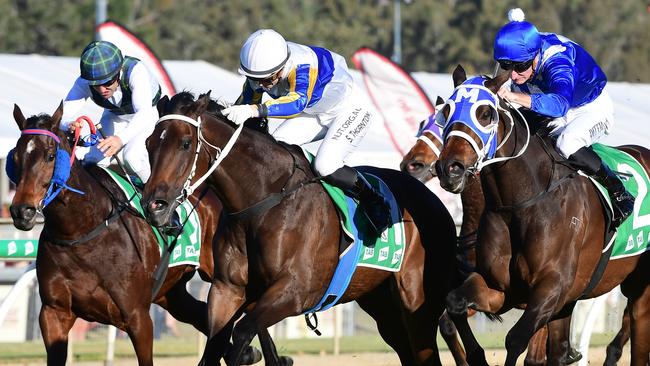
(584, 125)
(341, 124)
(134, 154)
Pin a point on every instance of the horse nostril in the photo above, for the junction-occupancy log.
(158, 205)
(415, 166)
(456, 169)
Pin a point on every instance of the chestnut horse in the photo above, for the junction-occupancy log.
(96, 256)
(535, 245)
(280, 253)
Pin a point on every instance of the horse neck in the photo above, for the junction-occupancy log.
(516, 180)
(72, 214)
(255, 167)
(473, 205)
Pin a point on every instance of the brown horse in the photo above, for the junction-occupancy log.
(96, 256)
(280, 254)
(535, 246)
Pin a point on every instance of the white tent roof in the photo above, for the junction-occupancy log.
(38, 83)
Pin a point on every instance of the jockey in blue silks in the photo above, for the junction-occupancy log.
(313, 91)
(556, 77)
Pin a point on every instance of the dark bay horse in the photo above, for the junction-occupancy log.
(419, 162)
(542, 233)
(281, 257)
(96, 258)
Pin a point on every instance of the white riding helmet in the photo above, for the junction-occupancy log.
(263, 53)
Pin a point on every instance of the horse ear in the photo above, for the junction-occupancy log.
(439, 100)
(495, 83)
(56, 117)
(459, 75)
(162, 104)
(19, 117)
(202, 103)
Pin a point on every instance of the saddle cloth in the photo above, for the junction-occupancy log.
(633, 235)
(365, 250)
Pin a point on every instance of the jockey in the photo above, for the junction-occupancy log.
(128, 92)
(556, 77)
(313, 91)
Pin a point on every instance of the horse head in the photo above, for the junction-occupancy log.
(419, 161)
(173, 144)
(31, 164)
(471, 119)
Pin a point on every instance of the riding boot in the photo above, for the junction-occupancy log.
(622, 200)
(371, 201)
(589, 162)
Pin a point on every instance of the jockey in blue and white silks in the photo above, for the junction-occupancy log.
(128, 92)
(558, 78)
(312, 89)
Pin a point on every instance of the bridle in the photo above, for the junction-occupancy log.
(188, 187)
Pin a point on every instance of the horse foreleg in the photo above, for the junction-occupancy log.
(390, 327)
(273, 306)
(615, 347)
(640, 327)
(140, 331)
(449, 333)
(473, 292)
(559, 345)
(536, 354)
(224, 304)
(184, 307)
(271, 356)
(542, 305)
(55, 325)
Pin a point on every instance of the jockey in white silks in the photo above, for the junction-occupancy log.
(128, 92)
(556, 77)
(312, 89)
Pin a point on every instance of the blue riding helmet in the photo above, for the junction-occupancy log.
(517, 41)
(100, 62)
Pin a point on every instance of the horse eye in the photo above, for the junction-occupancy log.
(50, 157)
(187, 145)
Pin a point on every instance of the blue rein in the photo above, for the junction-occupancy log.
(62, 166)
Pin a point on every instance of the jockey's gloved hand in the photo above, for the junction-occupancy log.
(241, 113)
(225, 103)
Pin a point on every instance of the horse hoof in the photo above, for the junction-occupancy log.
(286, 361)
(574, 356)
(250, 355)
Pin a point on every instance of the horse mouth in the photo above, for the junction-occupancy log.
(453, 185)
(23, 216)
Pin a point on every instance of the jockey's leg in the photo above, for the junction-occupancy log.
(348, 124)
(588, 161)
(586, 125)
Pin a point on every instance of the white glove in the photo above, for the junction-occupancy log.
(225, 103)
(240, 113)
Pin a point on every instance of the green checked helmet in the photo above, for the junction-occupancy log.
(100, 62)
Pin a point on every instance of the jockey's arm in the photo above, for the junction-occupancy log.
(249, 95)
(301, 85)
(141, 97)
(74, 101)
(559, 74)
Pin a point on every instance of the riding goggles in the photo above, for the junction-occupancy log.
(514, 65)
(267, 80)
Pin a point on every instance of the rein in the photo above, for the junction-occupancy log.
(550, 186)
